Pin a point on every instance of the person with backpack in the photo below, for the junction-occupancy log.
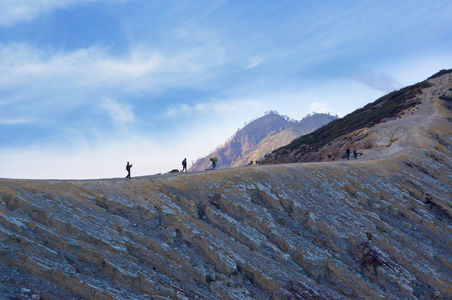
(214, 162)
(128, 167)
(355, 153)
(184, 165)
(347, 153)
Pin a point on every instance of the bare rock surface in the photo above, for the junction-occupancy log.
(379, 227)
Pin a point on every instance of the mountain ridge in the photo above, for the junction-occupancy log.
(259, 137)
(330, 142)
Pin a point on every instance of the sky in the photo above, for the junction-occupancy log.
(87, 85)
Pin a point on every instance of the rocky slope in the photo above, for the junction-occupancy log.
(360, 129)
(379, 227)
(259, 137)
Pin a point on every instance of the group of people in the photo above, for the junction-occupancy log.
(347, 153)
(129, 167)
(214, 159)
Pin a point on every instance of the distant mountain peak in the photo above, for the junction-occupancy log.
(259, 137)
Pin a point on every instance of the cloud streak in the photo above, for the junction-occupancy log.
(379, 80)
(119, 112)
(85, 75)
(214, 107)
(15, 121)
(17, 11)
(21, 63)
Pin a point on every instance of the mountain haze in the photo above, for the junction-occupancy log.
(378, 227)
(259, 137)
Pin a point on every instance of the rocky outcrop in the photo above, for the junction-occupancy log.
(379, 227)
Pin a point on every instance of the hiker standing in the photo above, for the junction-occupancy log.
(128, 167)
(355, 154)
(184, 165)
(347, 153)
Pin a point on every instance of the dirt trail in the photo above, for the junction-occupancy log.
(398, 136)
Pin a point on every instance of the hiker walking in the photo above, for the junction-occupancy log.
(214, 164)
(184, 165)
(128, 167)
(355, 154)
(347, 153)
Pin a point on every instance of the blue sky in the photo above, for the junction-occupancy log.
(87, 85)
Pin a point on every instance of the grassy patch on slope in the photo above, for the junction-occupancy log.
(440, 73)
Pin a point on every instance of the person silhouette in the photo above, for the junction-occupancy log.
(184, 165)
(128, 167)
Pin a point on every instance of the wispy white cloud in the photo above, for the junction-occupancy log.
(320, 107)
(15, 121)
(17, 11)
(22, 62)
(89, 87)
(130, 68)
(210, 10)
(119, 112)
(379, 80)
(225, 106)
(184, 109)
(254, 61)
